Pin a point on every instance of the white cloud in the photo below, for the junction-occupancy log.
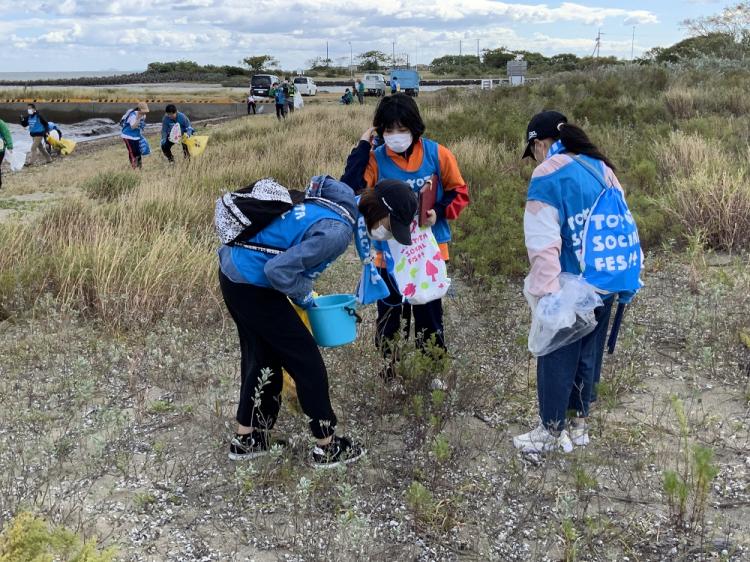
(223, 31)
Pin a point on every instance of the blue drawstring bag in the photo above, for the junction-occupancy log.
(145, 148)
(611, 257)
(371, 287)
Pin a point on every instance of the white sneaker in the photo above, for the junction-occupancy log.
(540, 440)
(579, 434)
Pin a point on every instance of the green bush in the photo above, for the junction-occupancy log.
(632, 112)
(110, 186)
(29, 538)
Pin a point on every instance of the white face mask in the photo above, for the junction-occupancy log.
(381, 234)
(30, 111)
(398, 142)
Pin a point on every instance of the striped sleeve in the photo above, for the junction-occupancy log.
(541, 225)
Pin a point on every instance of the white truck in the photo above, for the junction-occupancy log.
(374, 84)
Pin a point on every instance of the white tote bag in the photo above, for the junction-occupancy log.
(175, 134)
(419, 270)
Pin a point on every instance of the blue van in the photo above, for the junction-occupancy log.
(408, 80)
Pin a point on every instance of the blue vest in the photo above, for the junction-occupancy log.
(572, 191)
(387, 169)
(127, 129)
(284, 232)
(35, 124)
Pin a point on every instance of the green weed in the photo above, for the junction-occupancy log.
(27, 537)
(110, 186)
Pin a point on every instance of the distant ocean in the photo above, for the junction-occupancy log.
(25, 76)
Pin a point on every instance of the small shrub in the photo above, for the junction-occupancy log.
(682, 154)
(110, 186)
(688, 485)
(680, 103)
(716, 204)
(30, 538)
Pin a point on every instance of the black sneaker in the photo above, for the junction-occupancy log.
(341, 450)
(251, 446)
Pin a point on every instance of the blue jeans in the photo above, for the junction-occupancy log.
(565, 378)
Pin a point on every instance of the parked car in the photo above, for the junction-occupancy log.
(408, 80)
(374, 84)
(260, 84)
(305, 85)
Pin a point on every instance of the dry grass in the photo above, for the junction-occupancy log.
(124, 434)
(715, 206)
(684, 154)
(147, 248)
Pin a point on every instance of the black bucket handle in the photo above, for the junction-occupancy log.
(352, 312)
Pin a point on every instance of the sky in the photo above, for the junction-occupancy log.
(88, 35)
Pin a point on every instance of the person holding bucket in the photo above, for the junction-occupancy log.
(571, 179)
(406, 155)
(258, 277)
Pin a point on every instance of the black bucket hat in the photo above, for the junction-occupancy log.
(402, 204)
(543, 125)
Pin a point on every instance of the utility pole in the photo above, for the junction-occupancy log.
(597, 45)
(632, 46)
(393, 57)
(477, 50)
(351, 60)
(460, 48)
(327, 58)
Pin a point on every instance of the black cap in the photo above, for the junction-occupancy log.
(543, 126)
(402, 204)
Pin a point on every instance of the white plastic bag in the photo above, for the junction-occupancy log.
(418, 270)
(17, 160)
(298, 101)
(561, 318)
(175, 134)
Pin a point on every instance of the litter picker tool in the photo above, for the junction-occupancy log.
(614, 332)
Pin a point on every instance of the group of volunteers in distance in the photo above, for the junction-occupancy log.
(582, 244)
(46, 138)
(175, 129)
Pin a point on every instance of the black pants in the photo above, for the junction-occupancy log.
(428, 318)
(361, 98)
(280, 111)
(251, 106)
(166, 148)
(290, 105)
(2, 156)
(134, 152)
(273, 337)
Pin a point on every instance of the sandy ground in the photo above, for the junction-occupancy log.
(124, 436)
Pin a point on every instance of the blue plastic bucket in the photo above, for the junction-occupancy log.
(334, 320)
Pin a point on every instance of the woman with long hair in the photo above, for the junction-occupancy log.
(561, 193)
